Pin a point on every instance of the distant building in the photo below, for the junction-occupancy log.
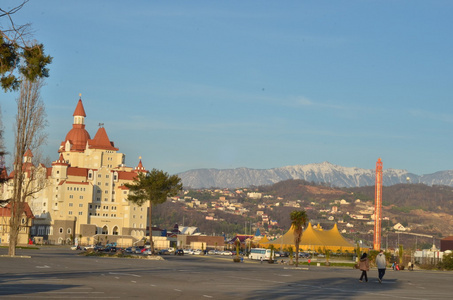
(446, 243)
(254, 195)
(399, 227)
(85, 195)
(189, 230)
(25, 224)
(200, 242)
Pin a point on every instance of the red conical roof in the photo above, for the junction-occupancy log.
(140, 167)
(60, 161)
(101, 141)
(28, 153)
(79, 111)
(77, 136)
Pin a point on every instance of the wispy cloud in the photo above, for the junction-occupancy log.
(302, 101)
(429, 115)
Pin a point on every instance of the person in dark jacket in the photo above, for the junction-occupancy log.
(364, 266)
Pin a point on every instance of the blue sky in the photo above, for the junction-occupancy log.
(257, 84)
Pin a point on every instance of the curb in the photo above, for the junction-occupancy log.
(16, 256)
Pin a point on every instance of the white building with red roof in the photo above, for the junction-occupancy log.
(85, 196)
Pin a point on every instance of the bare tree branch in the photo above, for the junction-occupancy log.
(28, 178)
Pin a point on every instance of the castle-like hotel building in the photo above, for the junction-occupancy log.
(84, 198)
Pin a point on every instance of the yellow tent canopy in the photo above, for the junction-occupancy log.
(263, 241)
(313, 239)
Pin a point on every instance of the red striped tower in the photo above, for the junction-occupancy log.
(378, 206)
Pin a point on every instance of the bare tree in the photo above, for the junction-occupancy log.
(29, 136)
(2, 151)
(18, 54)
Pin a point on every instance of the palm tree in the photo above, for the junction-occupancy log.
(299, 221)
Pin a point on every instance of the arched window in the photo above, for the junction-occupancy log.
(115, 230)
(105, 230)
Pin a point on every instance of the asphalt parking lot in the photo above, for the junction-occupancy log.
(59, 273)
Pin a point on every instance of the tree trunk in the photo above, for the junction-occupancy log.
(16, 209)
(297, 254)
(13, 235)
(151, 243)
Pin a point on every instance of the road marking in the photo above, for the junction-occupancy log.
(58, 292)
(43, 267)
(259, 280)
(125, 274)
(177, 290)
(207, 296)
(59, 297)
(133, 281)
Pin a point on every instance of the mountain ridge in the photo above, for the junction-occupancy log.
(325, 172)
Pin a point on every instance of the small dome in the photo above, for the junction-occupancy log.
(78, 137)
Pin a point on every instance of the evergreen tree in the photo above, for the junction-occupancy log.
(18, 56)
(153, 187)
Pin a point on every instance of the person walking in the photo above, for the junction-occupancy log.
(381, 264)
(364, 266)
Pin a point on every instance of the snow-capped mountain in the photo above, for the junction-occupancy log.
(319, 173)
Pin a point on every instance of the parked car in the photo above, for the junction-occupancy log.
(227, 252)
(179, 252)
(110, 249)
(139, 249)
(283, 254)
(147, 252)
(197, 252)
(99, 248)
(88, 247)
(187, 251)
(164, 252)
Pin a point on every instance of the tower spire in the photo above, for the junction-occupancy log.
(378, 206)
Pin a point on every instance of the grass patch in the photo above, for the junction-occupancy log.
(105, 254)
(331, 264)
(21, 247)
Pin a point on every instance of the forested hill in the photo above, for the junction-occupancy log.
(425, 209)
